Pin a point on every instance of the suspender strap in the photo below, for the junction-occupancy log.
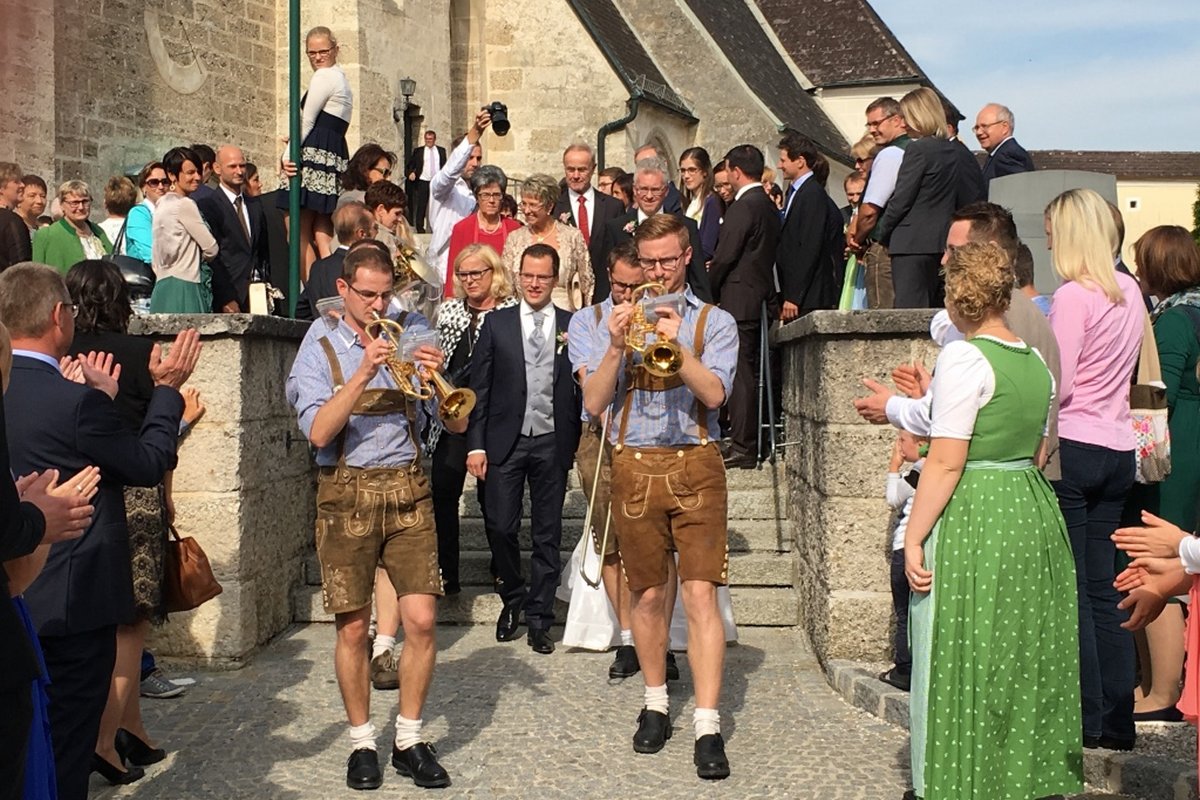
(701, 411)
(338, 382)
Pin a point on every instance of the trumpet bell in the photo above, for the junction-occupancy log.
(453, 403)
(662, 359)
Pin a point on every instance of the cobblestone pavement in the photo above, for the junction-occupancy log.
(508, 723)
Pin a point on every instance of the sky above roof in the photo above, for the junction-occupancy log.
(1102, 74)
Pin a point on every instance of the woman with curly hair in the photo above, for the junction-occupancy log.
(987, 557)
(539, 193)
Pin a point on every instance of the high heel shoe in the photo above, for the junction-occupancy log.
(137, 752)
(113, 774)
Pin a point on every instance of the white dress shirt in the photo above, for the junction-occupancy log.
(589, 203)
(430, 168)
(547, 321)
(747, 188)
(450, 201)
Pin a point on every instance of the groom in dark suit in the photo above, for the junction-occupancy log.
(809, 259)
(525, 426)
(236, 220)
(649, 191)
(86, 587)
(742, 275)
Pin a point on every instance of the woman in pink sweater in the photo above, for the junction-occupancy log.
(1098, 319)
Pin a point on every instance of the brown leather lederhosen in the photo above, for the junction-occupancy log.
(668, 499)
(373, 516)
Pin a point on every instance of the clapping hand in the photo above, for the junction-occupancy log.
(1156, 539)
(100, 372)
(912, 379)
(873, 408)
(67, 506)
(177, 367)
(193, 406)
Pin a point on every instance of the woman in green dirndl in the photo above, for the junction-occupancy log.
(994, 627)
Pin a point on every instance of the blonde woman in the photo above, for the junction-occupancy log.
(481, 285)
(986, 555)
(1098, 318)
(539, 193)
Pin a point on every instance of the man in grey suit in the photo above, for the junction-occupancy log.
(994, 130)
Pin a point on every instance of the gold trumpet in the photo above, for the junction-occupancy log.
(660, 357)
(453, 403)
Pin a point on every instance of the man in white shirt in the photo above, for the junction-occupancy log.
(423, 164)
(450, 196)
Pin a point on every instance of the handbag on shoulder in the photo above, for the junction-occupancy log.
(1148, 406)
(189, 581)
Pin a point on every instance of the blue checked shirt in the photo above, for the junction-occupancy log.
(582, 338)
(371, 441)
(668, 418)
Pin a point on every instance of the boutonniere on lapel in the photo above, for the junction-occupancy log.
(630, 226)
(560, 341)
(565, 218)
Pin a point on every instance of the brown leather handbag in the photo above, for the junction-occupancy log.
(189, 581)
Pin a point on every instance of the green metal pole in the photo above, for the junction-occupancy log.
(294, 153)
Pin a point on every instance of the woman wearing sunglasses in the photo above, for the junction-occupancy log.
(139, 239)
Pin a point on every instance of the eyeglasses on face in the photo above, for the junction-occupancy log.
(74, 308)
(385, 172)
(878, 122)
(320, 53)
(649, 190)
(77, 203)
(370, 297)
(527, 277)
(489, 195)
(473, 275)
(986, 125)
(670, 264)
(623, 286)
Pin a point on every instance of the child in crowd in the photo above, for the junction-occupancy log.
(901, 488)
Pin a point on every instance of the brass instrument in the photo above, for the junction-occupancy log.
(660, 357)
(453, 403)
(587, 521)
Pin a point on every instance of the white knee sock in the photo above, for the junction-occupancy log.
(408, 732)
(362, 736)
(627, 638)
(656, 699)
(706, 720)
(382, 645)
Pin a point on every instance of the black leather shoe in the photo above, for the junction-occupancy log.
(115, 775)
(711, 763)
(737, 460)
(508, 626)
(419, 762)
(672, 667)
(894, 677)
(625, 663)
(654, 728)
(136, 752)
(362, 770)
(541, 642)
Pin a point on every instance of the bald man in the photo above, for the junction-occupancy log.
(994, 129)
(236, 220)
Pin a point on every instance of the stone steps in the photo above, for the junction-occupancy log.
(744, 535)
(759, 502)
(476, 605)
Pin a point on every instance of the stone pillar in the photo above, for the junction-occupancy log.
(244, 487)
(837, 472)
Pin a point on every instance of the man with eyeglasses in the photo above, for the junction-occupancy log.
(668, 491)
(994, 130)
(743, 278)
(373, 505)
(886, 127)
(423, 163)
(650, 184)
(584, 207)
(525, 429)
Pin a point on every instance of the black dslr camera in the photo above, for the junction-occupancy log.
(499, 113)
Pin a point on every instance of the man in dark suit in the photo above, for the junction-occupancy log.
(275, 252)
(809, 259)
(236, 220)
(673, 202)
(352, 222)
(523, 435)
(742, 276)
(994, 129)
(649, 189)
(28, 519)
(423, 163)
(86, 587)
(587, 209)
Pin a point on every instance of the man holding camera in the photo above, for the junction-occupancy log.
(450, 197)
(373, 507)
(668, 489)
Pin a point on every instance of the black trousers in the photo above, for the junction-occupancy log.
(80, 667)
(418, 203)
(743, 398)
(901, 592)
(15, 722)
(447, 476)
(533, 460)
(917, 280)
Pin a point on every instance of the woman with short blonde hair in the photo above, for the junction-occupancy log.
(539, 193)
(74, 237)
(1098, 318)
(987, 558)
(923, 113)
